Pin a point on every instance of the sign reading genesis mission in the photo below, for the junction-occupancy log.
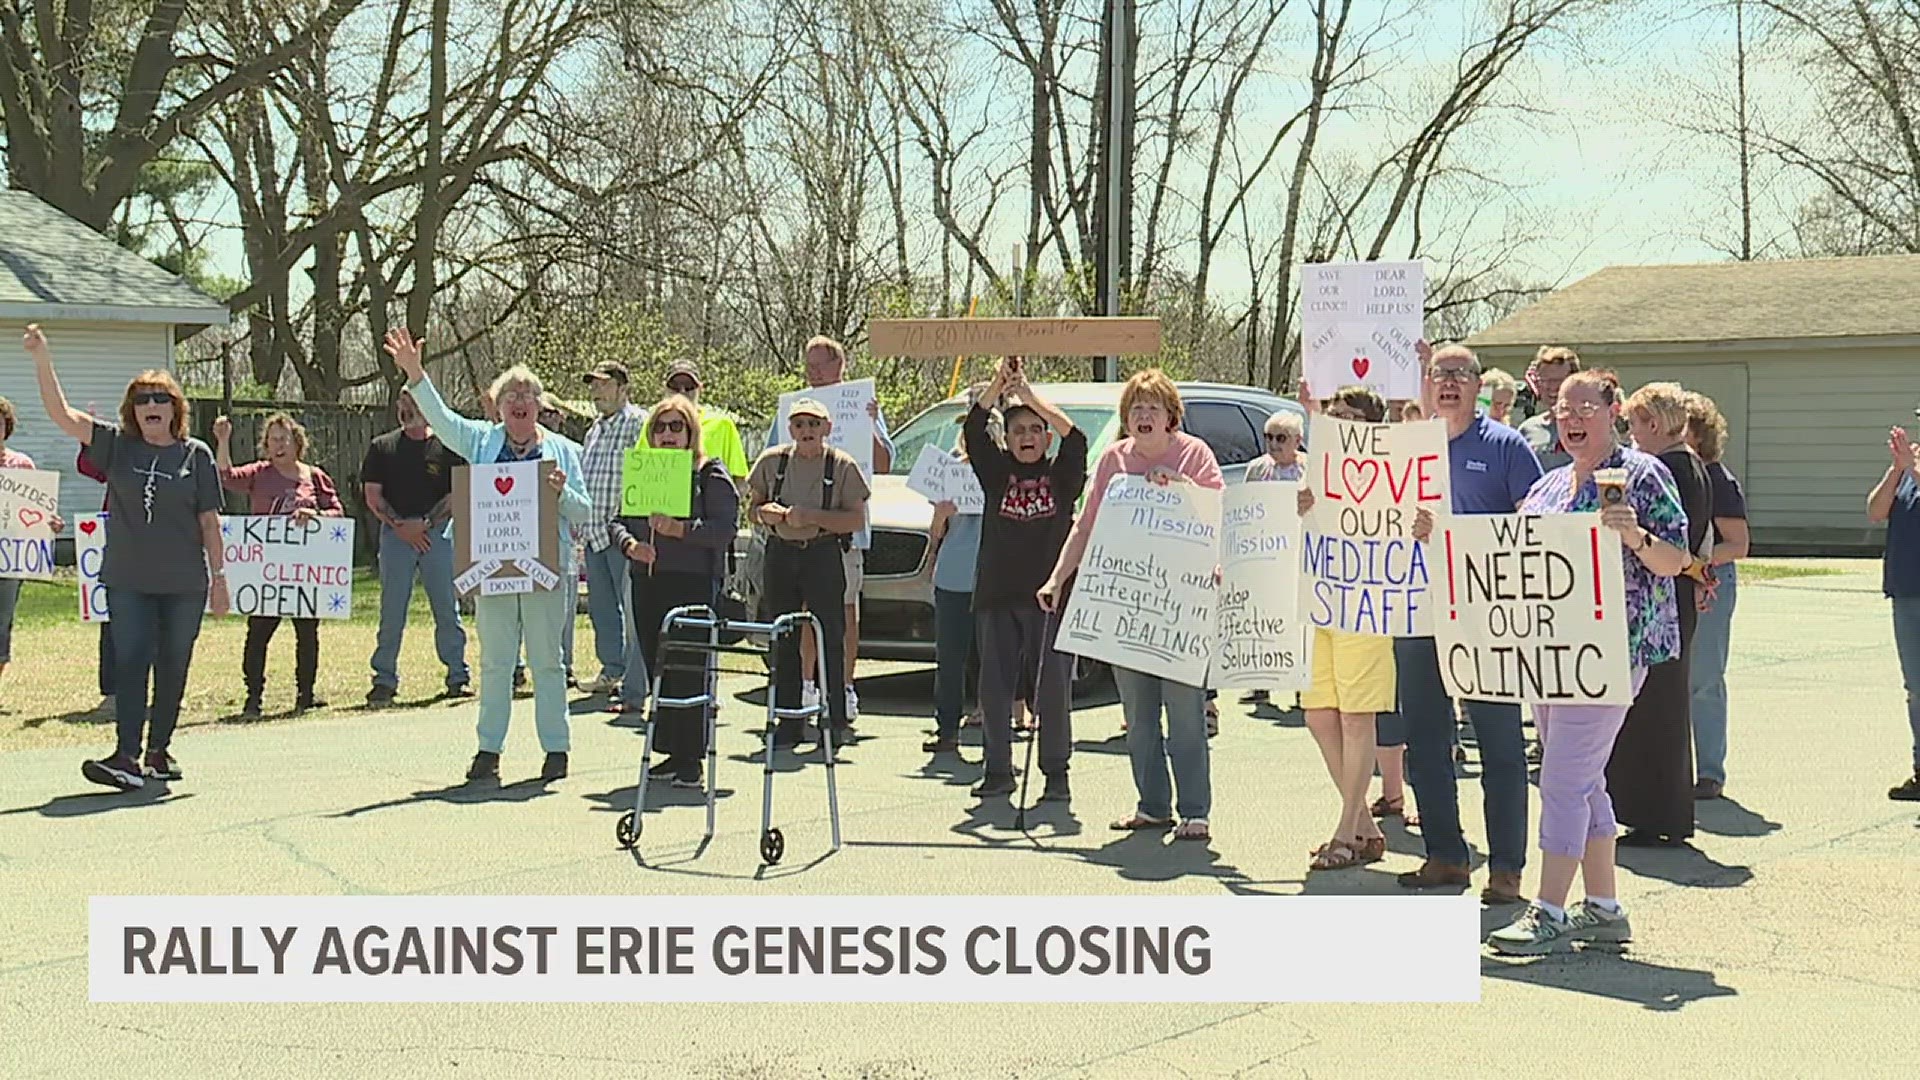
(1364, 571)
(790, 948)
(1534, 610)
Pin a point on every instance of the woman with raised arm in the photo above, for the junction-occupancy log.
(506, 620)
(162, 564)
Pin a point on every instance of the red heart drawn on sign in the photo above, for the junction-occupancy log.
(1352, 469)
(503, 484)
(88, 527)
(1361, 365)
(31, 517)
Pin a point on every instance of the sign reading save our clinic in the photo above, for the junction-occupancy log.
(1359, 323)
(29, 501)
(1364, 571)
(275, 566)
(1532, 609)
(505, 528)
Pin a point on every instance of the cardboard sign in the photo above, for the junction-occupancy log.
(938, 476)
(89, 547)
(656, 481)
(29, 501)
(1534, 610)
(1263, 641)
(1144, 595)
(505, 521)
(1365, 573)
(279, 567)
(1359, 322)
(929, 338)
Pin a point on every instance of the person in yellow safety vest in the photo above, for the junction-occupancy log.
(719, 435)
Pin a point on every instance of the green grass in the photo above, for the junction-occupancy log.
(1773, 571)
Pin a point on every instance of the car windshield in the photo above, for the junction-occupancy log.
(940, 427)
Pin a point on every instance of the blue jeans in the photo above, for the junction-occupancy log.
(1142, 697)
(952, 643)
(1428, 714)
(153, 633)
(504, 622)
(1707, 678)
(399, 565)
(1906, 639)
(610, 607)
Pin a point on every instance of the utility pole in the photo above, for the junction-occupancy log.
(1114, 208)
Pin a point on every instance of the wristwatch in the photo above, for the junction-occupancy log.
(1646, 540)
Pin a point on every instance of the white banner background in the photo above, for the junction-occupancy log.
(1359, 322)
(29, 500)
(1263, 642)
(1364, 571)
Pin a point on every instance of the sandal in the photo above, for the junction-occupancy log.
(1139, 823)
(1371, 850)
(1193, 829)
(1384, 807)
(1337, 856)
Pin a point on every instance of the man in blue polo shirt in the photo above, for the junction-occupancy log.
(1896, 501)
(1492, 469)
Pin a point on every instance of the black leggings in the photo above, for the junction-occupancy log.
(683, 732)
(306, 652)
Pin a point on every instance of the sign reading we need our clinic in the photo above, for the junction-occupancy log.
(1533, 610)
(1364, 571)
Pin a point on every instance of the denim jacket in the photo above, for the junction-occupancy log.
(480, 441)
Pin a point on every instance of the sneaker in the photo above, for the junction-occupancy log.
(454, 690)
(941, 744)
(688, 779)
(853, 704)
(251, 710)
(1435, 875)
(993, 785)
(1907, 792)
(1534, 933)
(160, 765)
(1587, 922)
(602, 685)
(555, 767)
(1057, 789)
(486, 766)
(116, 771)
(381, 697)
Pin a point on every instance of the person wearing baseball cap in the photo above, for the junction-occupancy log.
(603, 456)
(719, 434)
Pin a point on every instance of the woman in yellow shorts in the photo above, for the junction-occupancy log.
(1353, 678)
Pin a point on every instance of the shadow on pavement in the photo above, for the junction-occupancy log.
(1683, 865)
(661, 795)
(1611, 975)
(65, 806)
(1278, 717)
(90, 717)
(1726, 817)
(465, 793)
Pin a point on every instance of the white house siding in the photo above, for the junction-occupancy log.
(94, 361)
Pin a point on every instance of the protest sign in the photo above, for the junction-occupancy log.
(277, 566)
(1144, 595)
(1364, 571)
(505, 528)
(1359, 322)
(929, 338)
(852, 427)
(1262, 640)
(654, 481)
(29, 501)
(1535, 610)
(89, 547)
(938, 476)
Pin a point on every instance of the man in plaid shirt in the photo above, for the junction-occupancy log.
(609, 600)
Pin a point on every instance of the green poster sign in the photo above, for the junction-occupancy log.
(657, 482)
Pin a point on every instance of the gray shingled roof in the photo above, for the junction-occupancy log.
(48, 258)
(1728, 301)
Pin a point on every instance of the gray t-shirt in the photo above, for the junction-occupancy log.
(155, 496)
(1544, 438)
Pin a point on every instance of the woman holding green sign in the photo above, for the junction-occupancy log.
(678, 542)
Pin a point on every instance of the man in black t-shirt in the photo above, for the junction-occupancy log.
(408, 479)
(1029, 511)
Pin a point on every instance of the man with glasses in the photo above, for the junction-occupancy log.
(1550, 368)
(603, 456)
(719, 433)
(1491, 470)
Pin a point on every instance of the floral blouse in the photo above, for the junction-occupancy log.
(1653, 616)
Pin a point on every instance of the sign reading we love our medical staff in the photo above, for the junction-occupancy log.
(275, 566)
(29, 501)
(1533, 610)
(1364, 571)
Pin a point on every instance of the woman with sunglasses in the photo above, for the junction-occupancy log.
(679, 562)
(162, 565)
(507, 620)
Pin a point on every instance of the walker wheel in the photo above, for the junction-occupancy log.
(772, 847)
(627, 830)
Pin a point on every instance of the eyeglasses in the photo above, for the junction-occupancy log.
(1586, 410)
(153, 397)
(519, 396)
(1279, 437)
(1455, 375)
(671, 427)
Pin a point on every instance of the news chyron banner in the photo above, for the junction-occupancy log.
(786, 948)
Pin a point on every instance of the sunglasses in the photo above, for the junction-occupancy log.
(671, 427)
(1279, 437)
(153, 397)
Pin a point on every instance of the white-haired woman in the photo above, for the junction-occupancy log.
(538, 618)
(1498, 390)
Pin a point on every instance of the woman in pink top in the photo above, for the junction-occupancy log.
(280, 483)
(1152, 445)
(10, 587)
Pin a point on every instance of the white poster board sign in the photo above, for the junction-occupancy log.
(89, 547)
(1263, 640)
(1364, 571)
(1534, 610)
(938, 476)
(1144, 595)
(1359, 322)
(506, 511)
(277, 566)
(852, 432)
(29, 501)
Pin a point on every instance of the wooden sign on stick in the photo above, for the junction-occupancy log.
(932, 338)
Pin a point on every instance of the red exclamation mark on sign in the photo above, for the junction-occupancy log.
(1599, 612)
(1453, 613)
